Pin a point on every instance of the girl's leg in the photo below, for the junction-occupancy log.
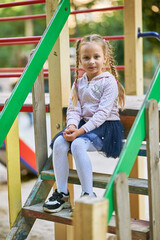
(60, 163)
(79, 148)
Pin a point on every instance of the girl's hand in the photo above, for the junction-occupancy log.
(70, 129)
(72, 135)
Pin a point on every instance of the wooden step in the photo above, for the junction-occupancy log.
(140, 228)
(136, 185)
(142, 151)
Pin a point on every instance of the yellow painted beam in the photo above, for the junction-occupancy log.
(13, 172)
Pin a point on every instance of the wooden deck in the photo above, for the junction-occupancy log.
(27, 107)
(133, 103)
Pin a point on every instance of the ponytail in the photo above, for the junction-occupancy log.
(75, 90)
(121, 91)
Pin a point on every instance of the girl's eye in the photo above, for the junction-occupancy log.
(86, 58)
(96, 57)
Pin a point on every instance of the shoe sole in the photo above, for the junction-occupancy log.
(63, 206)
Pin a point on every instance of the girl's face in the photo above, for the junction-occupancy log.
(92, 59)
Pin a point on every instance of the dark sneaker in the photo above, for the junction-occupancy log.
(83, 194)
(57, 202)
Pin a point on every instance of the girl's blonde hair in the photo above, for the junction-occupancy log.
(107, 49)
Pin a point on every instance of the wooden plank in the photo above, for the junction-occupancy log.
(36, 211)
(122, 208)
(153, 167)
(40, 128)
(90, 218)
(138, 186)
(140, 228)
(13, 172)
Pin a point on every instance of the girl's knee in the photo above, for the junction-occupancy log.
(60, 144)
(78, 146)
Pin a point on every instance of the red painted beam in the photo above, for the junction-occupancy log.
(26, 17)
(98, 10)
(27, 108)
(35, 40)
(14, 4)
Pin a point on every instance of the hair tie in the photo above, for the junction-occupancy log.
(116, 80)
(75, 83)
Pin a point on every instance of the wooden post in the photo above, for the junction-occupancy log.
(39, 114)
(59, 73)
(59, 89)
(122, 208)
(13, 172)
(133, 47)
(90, 219)
(152, 134)
(133, 57)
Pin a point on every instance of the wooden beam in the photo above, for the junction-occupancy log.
(90, 219)
(122, 208)
(40, 129)
(133, 54)
(13, 172)
(152, 134)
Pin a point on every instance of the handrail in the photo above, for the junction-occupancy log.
(148, 34)
(22, 89)
(134, 141)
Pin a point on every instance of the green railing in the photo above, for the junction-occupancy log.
(25, 83)
(134, 140)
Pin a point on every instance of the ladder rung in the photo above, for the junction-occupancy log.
(140, 228)
(136, 185)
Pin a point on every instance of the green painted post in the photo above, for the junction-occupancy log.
(134, 140)
(23, 87)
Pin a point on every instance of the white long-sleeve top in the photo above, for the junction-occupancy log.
(97, 101)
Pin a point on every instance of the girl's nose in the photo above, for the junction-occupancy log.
(91, 60)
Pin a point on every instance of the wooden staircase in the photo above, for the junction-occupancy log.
(33, 209)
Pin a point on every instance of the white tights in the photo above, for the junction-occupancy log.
(79, 148)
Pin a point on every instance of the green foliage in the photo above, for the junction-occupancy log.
(109, 23)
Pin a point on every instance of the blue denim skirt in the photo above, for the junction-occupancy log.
(106, 138)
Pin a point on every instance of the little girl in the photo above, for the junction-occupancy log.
(93, 121)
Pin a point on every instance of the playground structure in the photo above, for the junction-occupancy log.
(22, 218)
